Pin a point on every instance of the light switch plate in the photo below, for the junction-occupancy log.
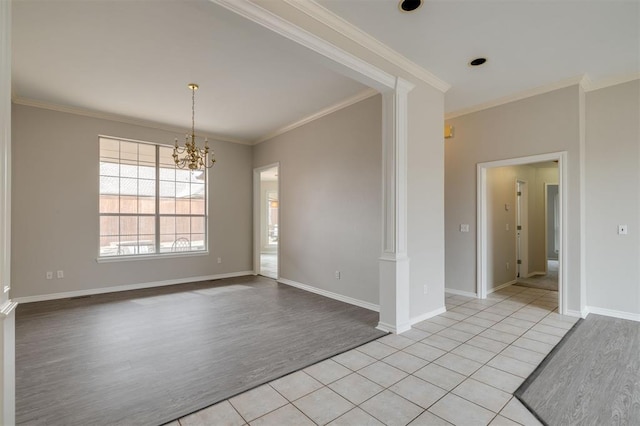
(464, 227)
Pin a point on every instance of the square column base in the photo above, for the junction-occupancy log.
(394, 294)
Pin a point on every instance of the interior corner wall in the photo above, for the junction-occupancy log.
(55, 207)
(549, 122)
(425, 199)
(330, 200)
(613, 198)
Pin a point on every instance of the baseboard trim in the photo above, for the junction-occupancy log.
(331, 295)
(428, 315)
(501, 286)
(613, 313)
(577, 314)
(127, 287)
(535, 273)
(382, 326)
(460, 292)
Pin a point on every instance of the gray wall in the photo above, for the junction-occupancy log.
(613, 194)
(330, 200)
(546, 123)
(55, 217)
(608, 120)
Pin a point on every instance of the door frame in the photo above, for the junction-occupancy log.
(482, 219)
(257, 246)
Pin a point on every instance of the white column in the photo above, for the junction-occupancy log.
(7, 308)
(394, 262)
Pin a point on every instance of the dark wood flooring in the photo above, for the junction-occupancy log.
(151, 356)
(591, 378)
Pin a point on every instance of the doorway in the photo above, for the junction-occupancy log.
(546, 277)
(530, 241)
(267, 220)
(541, 270)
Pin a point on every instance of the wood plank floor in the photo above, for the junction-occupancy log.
(593, 378)
(151, 356)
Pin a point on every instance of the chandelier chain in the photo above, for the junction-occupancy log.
(193, 111)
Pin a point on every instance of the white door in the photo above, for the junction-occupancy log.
(522, 231)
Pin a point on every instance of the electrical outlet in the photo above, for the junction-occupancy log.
(464, 227)
(506, 227)
(60, 274)
(337, 275)
(49, 275)
(219, 260)
(424, 289)
(507, 266)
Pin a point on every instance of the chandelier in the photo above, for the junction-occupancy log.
(190, 156)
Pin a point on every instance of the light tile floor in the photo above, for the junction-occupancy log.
(459, 368)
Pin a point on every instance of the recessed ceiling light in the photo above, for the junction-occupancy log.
(477, 62)
(409, 5)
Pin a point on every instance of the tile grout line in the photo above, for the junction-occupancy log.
(289, 402)
(462, 318)
(236, 410)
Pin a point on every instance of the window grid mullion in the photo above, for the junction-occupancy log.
(157, 215)
(119, 192)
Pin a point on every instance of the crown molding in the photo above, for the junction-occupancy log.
(365, 94)
(583, 81)
(118, 118)
(345, 28)
(590, 86)
(275, 23)
(580, 80)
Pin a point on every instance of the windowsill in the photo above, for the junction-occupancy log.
(111, 259)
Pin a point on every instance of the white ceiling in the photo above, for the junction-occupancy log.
(135, 58)
(527, 43)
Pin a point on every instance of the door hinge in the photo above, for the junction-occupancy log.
(519, 193)
(519, 228)
(519, 262)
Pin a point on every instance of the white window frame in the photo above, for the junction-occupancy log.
(157, 254)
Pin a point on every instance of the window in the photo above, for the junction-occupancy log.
(148, 206)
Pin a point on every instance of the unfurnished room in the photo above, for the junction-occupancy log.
(319, 212)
